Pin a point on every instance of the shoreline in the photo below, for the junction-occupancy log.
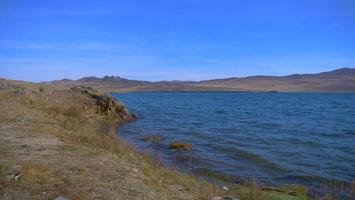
(222, 179)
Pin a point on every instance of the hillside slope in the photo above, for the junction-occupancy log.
(340, 80)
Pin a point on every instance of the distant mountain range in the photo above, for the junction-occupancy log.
(340, 80)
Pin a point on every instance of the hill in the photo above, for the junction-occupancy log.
(340, 80)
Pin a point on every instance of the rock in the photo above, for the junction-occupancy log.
(225, 188)
(293, 190)
(17, 177)
(61, 198)
(22, 91)
(4, 86)
(105, 103)
(180, 146)
(216, 198)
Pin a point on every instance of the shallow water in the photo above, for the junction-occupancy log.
(277, 138)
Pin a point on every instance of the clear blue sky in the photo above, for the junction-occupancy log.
(168, 40)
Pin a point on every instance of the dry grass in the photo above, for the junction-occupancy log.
(252, 191)
(73, 127)
(37, 174)
(3, 170)
(160, 177)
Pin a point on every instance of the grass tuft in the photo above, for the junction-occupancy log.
(37, 174)
(3, 170)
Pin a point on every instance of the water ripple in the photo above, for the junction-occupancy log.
(278, 138)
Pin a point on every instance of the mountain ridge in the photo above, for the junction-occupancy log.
(338, 80)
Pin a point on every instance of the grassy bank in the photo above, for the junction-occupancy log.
(62, 142)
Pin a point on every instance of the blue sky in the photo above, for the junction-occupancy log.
(174, 40)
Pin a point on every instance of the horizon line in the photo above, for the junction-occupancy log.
(231, 77)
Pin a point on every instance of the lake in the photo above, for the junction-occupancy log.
(275, 138)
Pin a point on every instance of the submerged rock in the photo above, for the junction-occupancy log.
(180, 146)
(134, 116)
(292, 190)
(153, 138)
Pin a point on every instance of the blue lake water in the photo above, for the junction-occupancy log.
(277, 138)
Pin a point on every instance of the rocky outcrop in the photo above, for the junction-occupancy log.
(105, 104)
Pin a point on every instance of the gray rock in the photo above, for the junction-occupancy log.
(13, 176)
(17, 177)
(225, 188)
